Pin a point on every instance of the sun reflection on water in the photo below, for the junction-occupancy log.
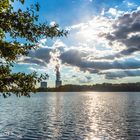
(74, 116)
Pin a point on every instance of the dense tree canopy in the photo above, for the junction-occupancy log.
(20, 24)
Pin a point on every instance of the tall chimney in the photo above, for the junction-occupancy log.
(58, 81)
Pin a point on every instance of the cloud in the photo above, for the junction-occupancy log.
(96, 45)
(43, 42)
(77, 58)
(112, 11)
(126, 31)
(52, 23)
(34, 61)
(121, 74)
(73, 57)
(85, 79)
(88, 32)
(39, 57)
(129, 4)
(40, 70)
(42, 55)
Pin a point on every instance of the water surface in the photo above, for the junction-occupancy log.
(71, 116)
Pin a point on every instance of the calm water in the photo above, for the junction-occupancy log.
(71, 116)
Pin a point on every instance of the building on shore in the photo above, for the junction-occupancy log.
(43, 84)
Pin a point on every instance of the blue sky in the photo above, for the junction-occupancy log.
(102, 45)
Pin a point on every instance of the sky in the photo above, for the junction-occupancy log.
(103, 43)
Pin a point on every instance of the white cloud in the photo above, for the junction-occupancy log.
(88, 37)
(103, 12)
(43, 41)
(138, 8)
(129, 4)
(88, 32)
(112, 11)
(58, 44)
(38, 69)
(52, 23)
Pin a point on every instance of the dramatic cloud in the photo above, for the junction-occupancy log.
(99, 45)
(77, 58)
(40, 57)
(126, 30)
(39, 62)
(73, 57)
(121, 74)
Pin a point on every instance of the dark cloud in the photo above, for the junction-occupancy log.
(125, 29)
(88, 77)
(121, 74)
(35, 61)
(73, 56)
(41, 53)
(123, 53)
(73, 76)
(40, 57)
(77, 58)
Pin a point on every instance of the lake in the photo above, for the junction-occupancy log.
(71, 116)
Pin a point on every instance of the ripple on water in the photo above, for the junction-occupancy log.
(71, 116)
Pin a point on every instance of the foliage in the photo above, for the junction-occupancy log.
(20, 24)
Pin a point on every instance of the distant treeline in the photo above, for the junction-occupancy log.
(124, 87)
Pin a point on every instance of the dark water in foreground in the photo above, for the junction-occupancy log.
(71, 116)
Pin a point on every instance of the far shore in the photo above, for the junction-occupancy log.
(105, 87)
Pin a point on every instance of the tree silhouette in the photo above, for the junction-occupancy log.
(20, 24)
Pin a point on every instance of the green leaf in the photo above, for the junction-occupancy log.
(20, 24)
